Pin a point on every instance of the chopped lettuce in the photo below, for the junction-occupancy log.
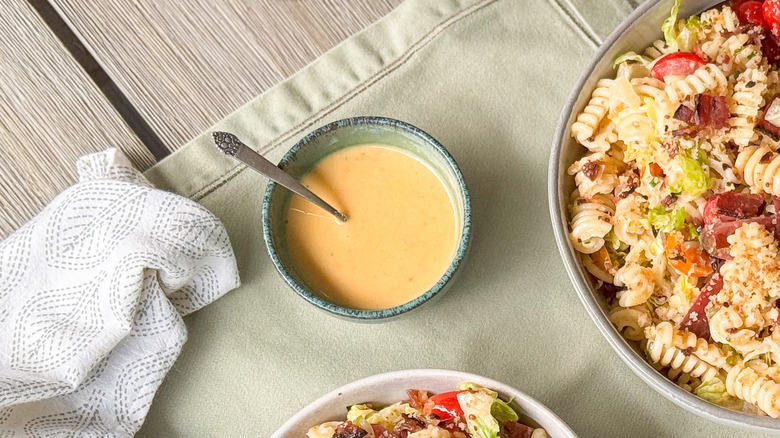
(695, 179)
(484, 410)
(714, 391)
(666, 220)
(613, 240)
(631, 57)
(476, 406)
(503, 411)
(669, 27)
(694, 22)
(470, 386)
(386, 417)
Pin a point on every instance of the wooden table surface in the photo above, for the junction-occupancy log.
(144, 76)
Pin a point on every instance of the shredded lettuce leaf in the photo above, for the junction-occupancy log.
(476, 406)
(714, 391)
(470, 386)
(484, 410)
(695, 179)
(613, 239)
(386, 417)
(666, 220)
(694, 22)
(631, 57)
(669, 27)
(503, 411)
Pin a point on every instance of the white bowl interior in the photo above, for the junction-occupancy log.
(391, 387)
(636, 33)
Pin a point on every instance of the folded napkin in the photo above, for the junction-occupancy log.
(92, 292)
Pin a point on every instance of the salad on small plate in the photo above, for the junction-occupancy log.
(470, 411)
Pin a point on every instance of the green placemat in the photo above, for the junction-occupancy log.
(487, 79)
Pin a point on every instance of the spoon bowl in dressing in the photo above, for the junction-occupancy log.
(409, 226)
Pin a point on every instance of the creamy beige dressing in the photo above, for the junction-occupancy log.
(399, 240)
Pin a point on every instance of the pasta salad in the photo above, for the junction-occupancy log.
(471, 411)
(675, 212)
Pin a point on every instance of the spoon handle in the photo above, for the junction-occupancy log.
(229, 144)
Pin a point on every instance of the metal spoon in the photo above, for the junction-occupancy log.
(229, 144)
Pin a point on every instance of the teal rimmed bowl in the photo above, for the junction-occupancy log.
(352, 132)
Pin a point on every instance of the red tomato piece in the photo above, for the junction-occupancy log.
(751, 12)
(444, 405)
(696, 320)
(771, 10)
(679, 64)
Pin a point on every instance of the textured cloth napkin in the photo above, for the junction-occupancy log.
(92, 291)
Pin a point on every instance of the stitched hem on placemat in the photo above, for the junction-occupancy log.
(349, 95)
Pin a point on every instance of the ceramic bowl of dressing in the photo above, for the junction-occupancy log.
(409, 219)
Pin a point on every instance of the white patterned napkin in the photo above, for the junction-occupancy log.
(92, 291)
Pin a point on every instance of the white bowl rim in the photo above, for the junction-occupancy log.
(542, 415)
(585, 291)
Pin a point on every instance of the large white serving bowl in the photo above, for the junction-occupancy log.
(388, 388)
(636, 32)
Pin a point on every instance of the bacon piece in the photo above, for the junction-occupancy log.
(669, 200)
(409, 425)
(592, 169)
(729, 206)
(715, 234)
(513, 429)
(765, 126)
(696, 319)
(417, 398)
(381, 432)
(711, 111)
(683, 113)
(349, 429)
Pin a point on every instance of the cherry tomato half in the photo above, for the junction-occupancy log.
(771, 11)
(444, 405)
(751, 12)
(679, 63)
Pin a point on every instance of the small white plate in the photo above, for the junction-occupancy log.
(388, 388)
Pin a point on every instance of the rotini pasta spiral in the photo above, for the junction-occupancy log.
(744, 106)
(760, 169)
(713, 47)
(654, 89)
(705, 78)
(679, 362)
(667, 335)
(639, 283)
(657, 49)
(721, 20)
(587, 124)
(630, 224)
(591, 222)
(631, 321)
(596, 173)
(746, 384)
(726, 327)
(597, 271)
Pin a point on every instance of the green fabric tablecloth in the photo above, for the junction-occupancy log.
(487, 78)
